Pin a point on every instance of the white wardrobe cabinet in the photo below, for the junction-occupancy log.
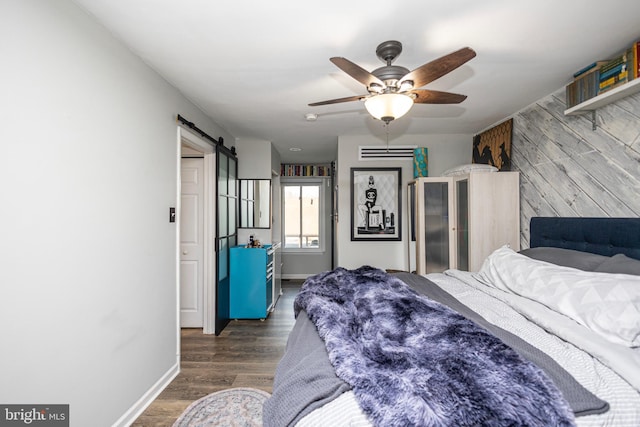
(461, 220)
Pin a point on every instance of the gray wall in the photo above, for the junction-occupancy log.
(568, 169)
(88, 171)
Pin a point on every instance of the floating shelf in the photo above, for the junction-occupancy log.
(613, 95)
(608, 97)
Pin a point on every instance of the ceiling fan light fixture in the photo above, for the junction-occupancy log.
(388, 106)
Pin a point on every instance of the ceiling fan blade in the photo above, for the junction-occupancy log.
(439, 67)
(357, 72)
(425, 96)
(338, 100)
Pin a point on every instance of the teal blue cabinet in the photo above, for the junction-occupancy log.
(251, 282)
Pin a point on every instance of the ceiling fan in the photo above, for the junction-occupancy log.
(394, 89)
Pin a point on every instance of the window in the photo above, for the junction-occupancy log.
(301, 216)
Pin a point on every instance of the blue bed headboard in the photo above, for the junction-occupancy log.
(603, 236)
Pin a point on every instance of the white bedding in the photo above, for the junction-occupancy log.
(590, 371)
(608, 304)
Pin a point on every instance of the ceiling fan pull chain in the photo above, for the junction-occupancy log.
(386, 126)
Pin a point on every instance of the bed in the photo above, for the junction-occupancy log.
(549, 335)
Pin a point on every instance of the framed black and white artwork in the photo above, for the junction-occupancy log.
(375, 204)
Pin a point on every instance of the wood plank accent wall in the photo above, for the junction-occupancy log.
(568, 169)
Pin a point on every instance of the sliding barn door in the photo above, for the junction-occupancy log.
(226, 230)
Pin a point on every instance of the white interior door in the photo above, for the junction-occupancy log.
(191, 243)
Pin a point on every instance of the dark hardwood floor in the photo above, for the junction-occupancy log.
(245, 354)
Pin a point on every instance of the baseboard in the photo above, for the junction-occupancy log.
(138, 408)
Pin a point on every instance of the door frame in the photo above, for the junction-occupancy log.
(192, 140)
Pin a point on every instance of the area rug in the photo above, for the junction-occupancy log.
(234, 407)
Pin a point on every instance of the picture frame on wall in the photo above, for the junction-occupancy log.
(376, 213)
(493, 146)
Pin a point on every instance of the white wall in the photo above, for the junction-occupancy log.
(254, 158)
(254, 162)
(445, 151)
(88, 167)
(276, 211)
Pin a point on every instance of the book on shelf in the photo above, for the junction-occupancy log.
(614, 81)
(589, 68)
(304, 170)
(636, 51)
(633, 60)
(585, 86)
(613, 63)
(615, 72)
(611, 72)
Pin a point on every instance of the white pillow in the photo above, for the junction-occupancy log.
(608, 304)
(471, 167)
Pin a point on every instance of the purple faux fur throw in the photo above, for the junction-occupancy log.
(414, 362)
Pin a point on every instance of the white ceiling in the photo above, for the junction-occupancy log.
(253, 66)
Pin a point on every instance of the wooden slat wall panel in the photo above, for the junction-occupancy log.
(567, 169)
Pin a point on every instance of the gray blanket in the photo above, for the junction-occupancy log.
(305, 379)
